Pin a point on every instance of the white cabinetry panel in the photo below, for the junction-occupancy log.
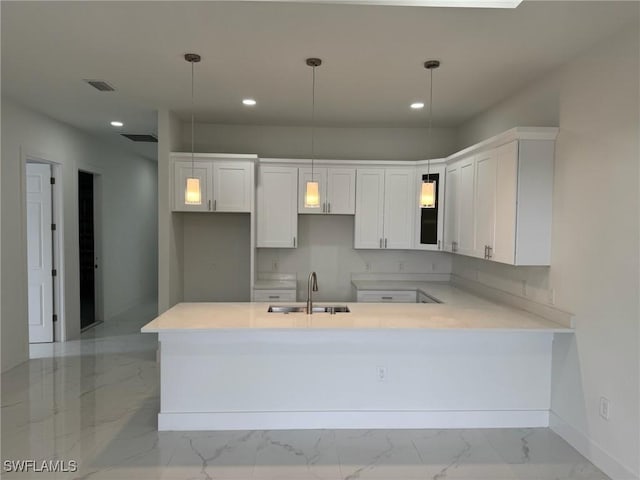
(233, 186)
(200, 170)
(369, 221)
(277, 212)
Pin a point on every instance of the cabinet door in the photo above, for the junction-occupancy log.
(232, 182)
(429, 222)
(466, 242)
(451, 208)
(399, 207)
(485, 202)
(369, 208)
(320, 176)
(277, 212)
(182, 171)
(341, 191)
(504, 243)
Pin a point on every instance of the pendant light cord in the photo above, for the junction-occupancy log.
(430, 123)
(313, 120)
(192, 123)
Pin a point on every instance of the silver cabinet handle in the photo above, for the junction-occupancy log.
(294, 241)
(385, 242)
(329, 207)
(380, 243)
(209, 205)
(274, 296)
(324, 207)
(215, 202)
(489, 250)
(454, 246)
(387, 298)
(485, 251)
(439, 245)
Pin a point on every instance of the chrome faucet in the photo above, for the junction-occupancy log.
(312, 286)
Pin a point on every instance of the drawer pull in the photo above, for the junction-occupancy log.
(274, 296)
(387, 298)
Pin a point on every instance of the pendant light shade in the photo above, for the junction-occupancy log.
(192, 191)
(428, 194)
(312, 188)
(312, 195)
(428, 187)
(192, 195)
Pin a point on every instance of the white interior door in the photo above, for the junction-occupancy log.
(39, 253)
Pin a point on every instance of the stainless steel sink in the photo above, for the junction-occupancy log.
(332, 309)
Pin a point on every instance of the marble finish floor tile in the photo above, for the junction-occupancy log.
(95, 401)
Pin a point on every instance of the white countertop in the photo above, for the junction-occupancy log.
(483, 316)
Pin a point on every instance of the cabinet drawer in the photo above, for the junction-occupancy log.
(274, 295)
(380, 296)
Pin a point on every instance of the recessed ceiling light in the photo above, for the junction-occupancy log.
(417, 105)
(117, 124)
(250, 102)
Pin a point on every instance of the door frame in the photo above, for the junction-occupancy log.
(57, 217)
(97, 235)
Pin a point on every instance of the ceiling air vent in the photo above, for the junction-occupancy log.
(100, 85)
(140, 138)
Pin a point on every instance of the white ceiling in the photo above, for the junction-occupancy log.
(372, 58)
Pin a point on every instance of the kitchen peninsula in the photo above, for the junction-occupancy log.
(228, 366)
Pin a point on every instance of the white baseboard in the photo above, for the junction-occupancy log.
(590, 450)
(352, 420)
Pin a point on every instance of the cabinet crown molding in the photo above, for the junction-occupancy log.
(517, 133)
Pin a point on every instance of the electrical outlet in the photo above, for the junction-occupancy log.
(524, 288)
(401, 267)
(433, 267)
(381, 373)
(605, 408)
(274, 266)
(552, 296)
(367, 267)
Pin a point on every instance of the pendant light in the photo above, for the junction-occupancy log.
(312, 188)
(192, 192)
(428, 188)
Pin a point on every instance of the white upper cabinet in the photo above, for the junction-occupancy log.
(337, 190)
(277, 202)
(399, 207)
(452, 208)
(199, 170)
(225, 185)
(429, 222)
(485, 202)
(503, 247)
(385, 208)
(369, 221)
(232, 186)
(499, 199)
(341, 191)
(466, 225)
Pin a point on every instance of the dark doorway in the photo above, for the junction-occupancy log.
(87, 250)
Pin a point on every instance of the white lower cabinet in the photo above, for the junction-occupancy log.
(274, 295)
(386, 296)
(277, 207)
(385, 208)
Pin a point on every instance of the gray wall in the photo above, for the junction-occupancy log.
(129, 191)
(330, 143)
(595, 264)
